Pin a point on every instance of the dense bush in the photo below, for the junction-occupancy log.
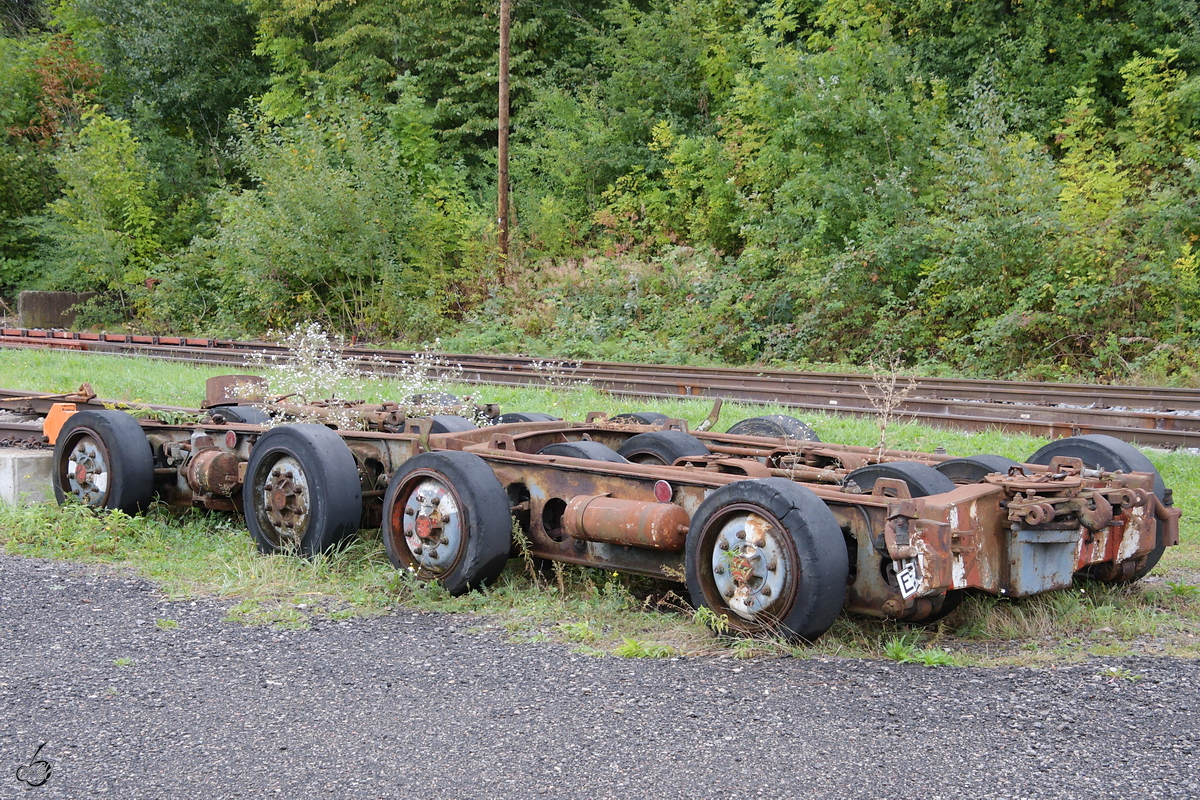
(350, 223)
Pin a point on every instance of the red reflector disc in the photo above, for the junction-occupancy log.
(663, 491)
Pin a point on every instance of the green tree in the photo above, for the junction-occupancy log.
(830, 148)
(1033, 52)
(103, 232)
(20, 18)
(990, 249)
(624, 147)
(184, 66)
(322, 51)
(44, 88)
(1130, 195)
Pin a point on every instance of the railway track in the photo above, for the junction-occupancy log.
(20, 412)
(1159, 416)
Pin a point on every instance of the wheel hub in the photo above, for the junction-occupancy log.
(749, 565)
(281, 494)
(429, 525)
(87, 472)
(285, 496)
(432, 526)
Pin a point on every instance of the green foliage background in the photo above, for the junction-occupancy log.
(1005, 188)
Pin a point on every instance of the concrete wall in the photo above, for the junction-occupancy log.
(48, 309)
(25, 475)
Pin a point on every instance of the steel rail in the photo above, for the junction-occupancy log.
(1162, 399)
(1044, 409)
(1031, 392)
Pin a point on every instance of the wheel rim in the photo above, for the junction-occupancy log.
(753, 565)
(87, 472)
(427, 525)
(285, 502)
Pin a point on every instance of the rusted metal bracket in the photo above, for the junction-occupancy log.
(226, 389)
(1098, 515)
(489, 410)
(422, 427)
(1093, 508)
(503, 441)
(891, 487)
(713, 416)
(1067, 465)
(1169, 516)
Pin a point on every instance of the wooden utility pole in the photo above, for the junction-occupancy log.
(502, 154)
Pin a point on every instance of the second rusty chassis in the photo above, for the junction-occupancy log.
(1011, 535)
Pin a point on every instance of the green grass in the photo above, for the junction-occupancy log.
(1176, 589)
(635, 648)
(210, 554)
(1118, 673)
(907, 650)
(112, 377)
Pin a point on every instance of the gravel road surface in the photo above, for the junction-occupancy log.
(425, 706)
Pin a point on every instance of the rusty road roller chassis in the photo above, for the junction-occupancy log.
(777, 535)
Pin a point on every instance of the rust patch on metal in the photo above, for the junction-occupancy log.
(214, 472)
(224, 390)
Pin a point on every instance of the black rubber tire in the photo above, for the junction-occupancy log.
(332, 490)
(249, 415)
(124, 455)
(1098, 451)
(811, 595)
(448, 423)
(774, 426)
(973, 469)
(592, 451)
(525, 416)
(639, 417)
(922, 480)
(484, 519)
(661, 447)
